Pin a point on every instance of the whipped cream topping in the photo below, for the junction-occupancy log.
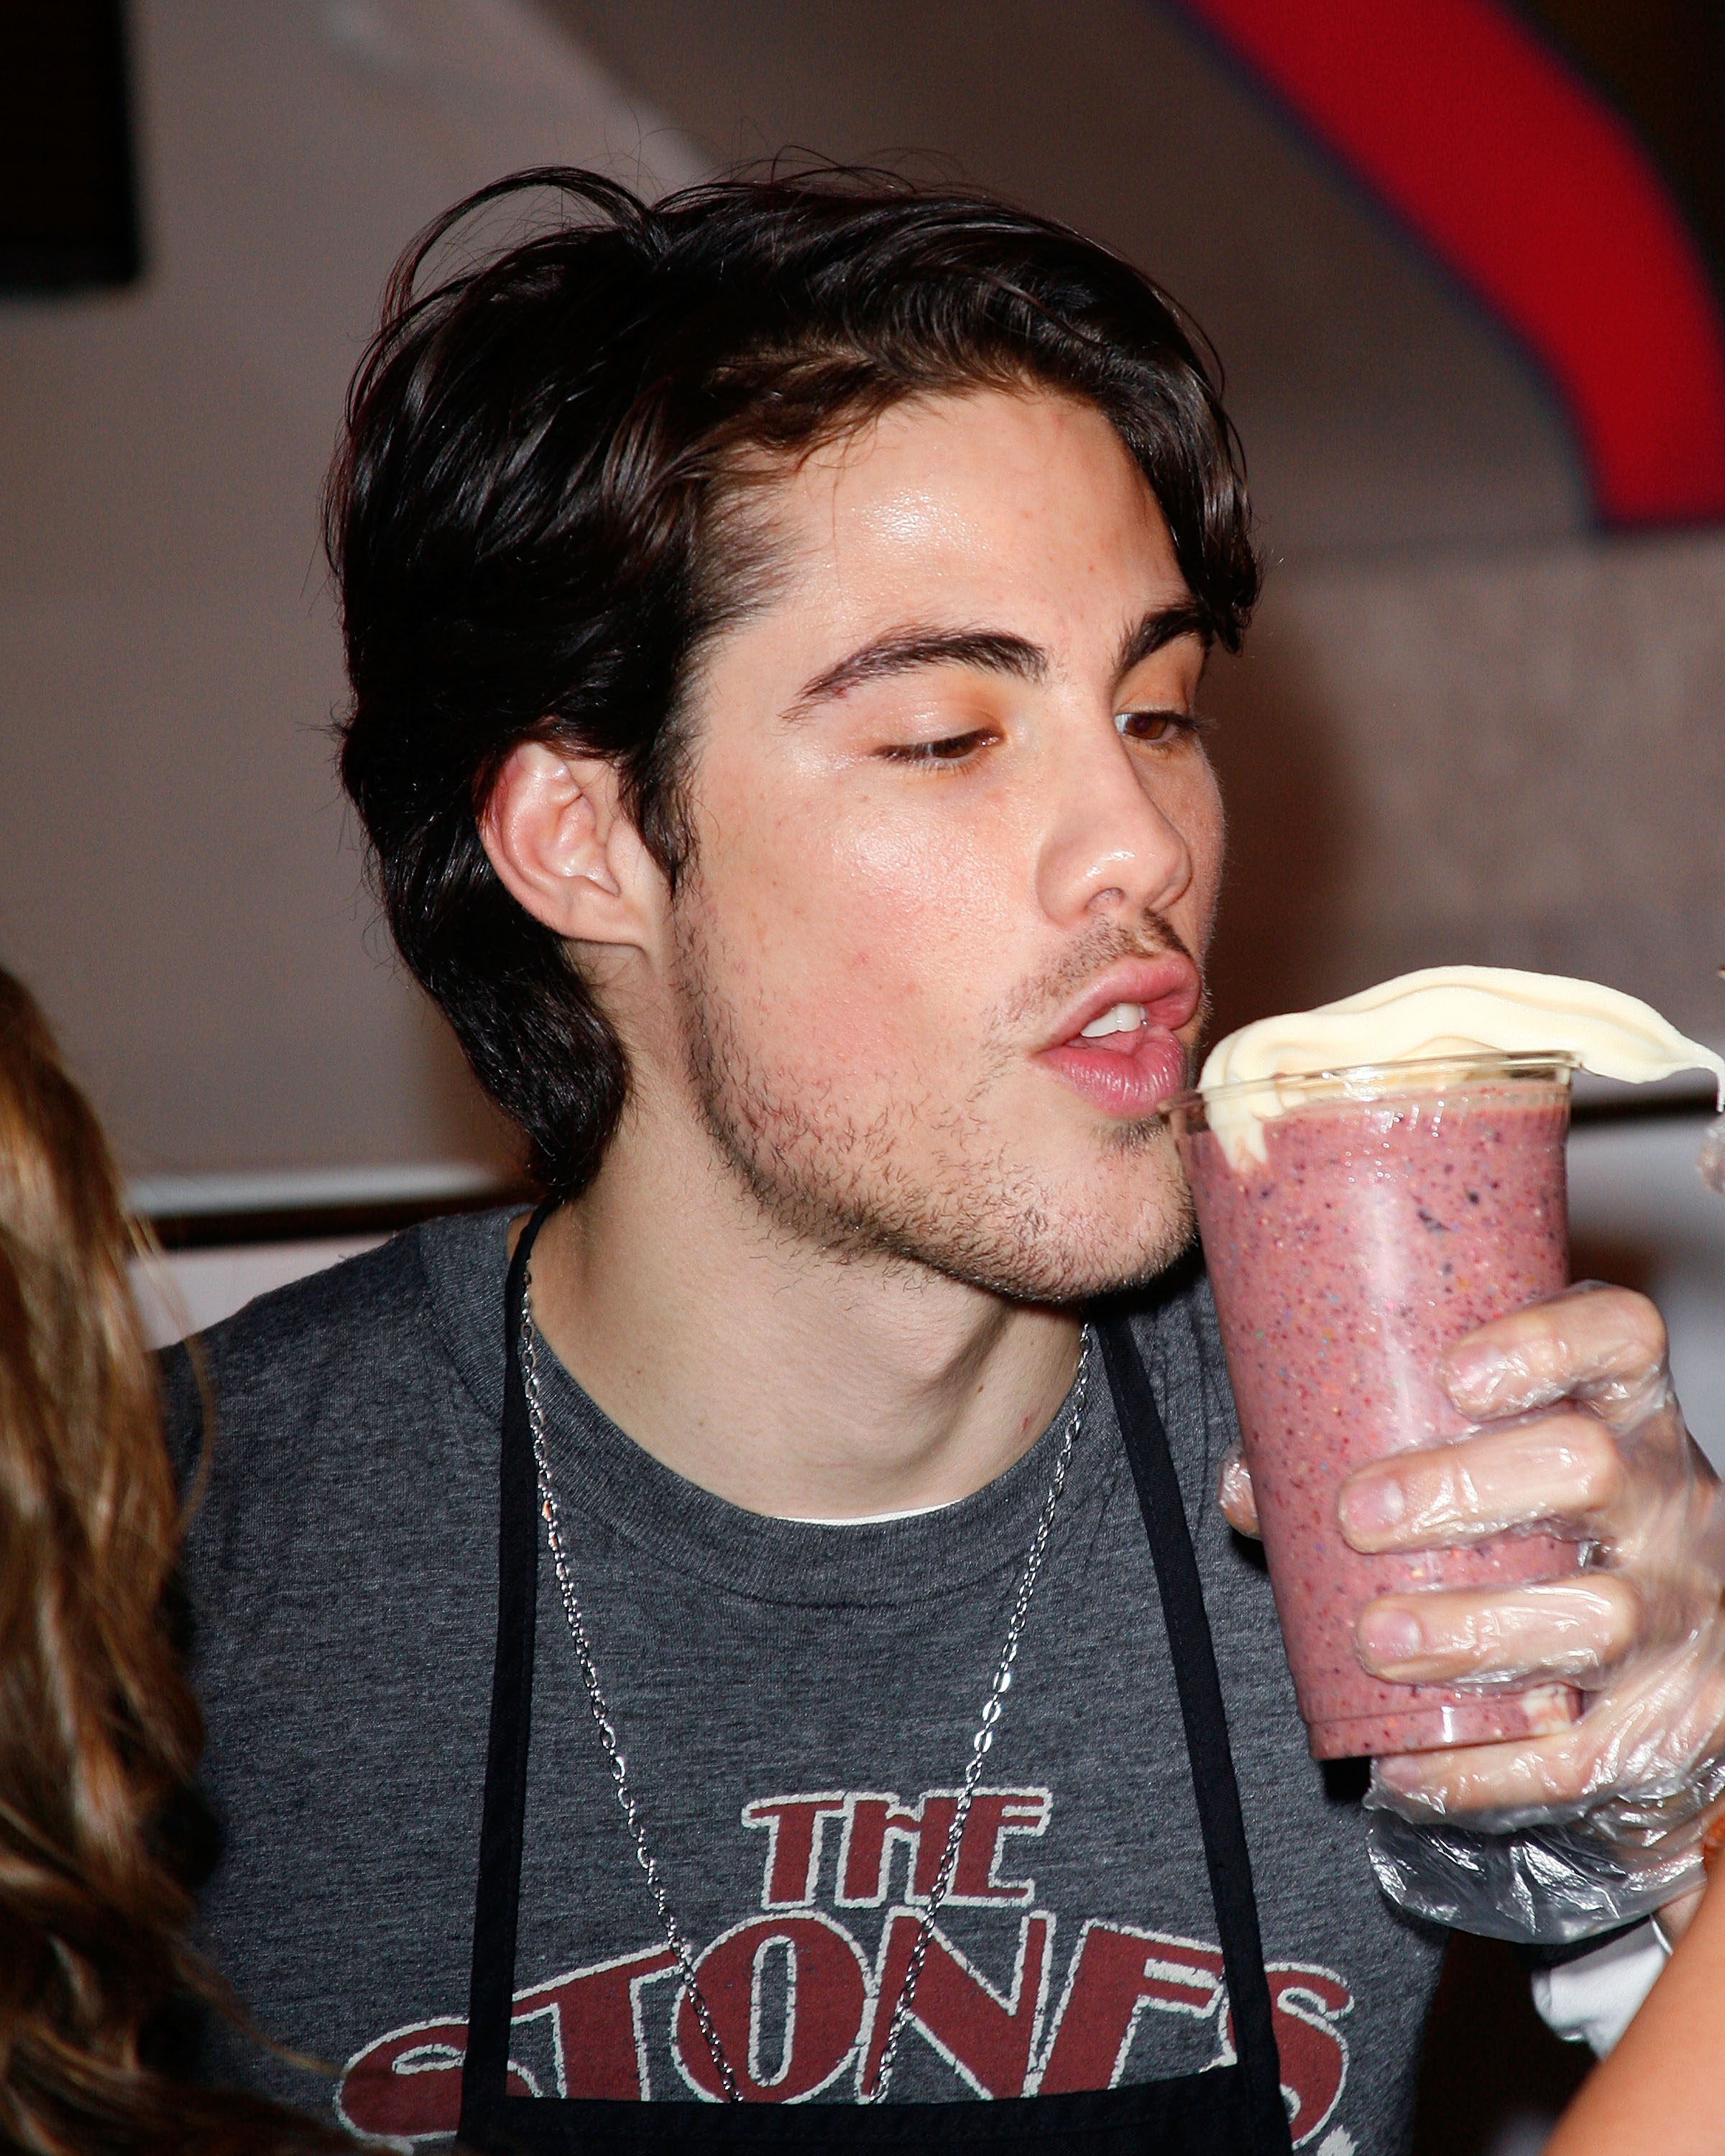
(1443, 1011)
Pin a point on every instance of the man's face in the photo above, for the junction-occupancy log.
(957, 848)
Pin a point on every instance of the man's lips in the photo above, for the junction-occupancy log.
(1166, 989)
(1128, 1069)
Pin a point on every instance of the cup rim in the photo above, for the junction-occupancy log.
(1363, 1081)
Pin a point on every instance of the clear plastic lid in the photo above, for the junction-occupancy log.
(1263, 1099)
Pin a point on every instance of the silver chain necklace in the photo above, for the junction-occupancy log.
(980, 1744)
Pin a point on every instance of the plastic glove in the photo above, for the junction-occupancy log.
(1554, 1837)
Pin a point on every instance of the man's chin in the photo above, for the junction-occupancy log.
(1126, 1232)
(1067, 1257)
(1090, 1276)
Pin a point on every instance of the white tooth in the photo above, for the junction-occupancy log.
(1123, 1018)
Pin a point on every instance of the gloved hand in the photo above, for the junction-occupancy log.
(1556, 1836)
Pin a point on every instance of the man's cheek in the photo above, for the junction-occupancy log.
(869, 938)
(834, 1000)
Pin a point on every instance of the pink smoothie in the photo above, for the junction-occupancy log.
(1375, 1234)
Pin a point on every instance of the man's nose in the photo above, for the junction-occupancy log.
(1110, 844)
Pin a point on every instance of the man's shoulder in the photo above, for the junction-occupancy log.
(367, 1337)
(343, 1320)
(323, 1312)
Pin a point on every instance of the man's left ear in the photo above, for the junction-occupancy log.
(555, 830)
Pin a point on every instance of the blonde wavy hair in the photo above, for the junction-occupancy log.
(99, 1732)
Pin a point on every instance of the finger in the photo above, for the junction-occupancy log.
(1643, 1735)
(1565, 1469)
(1531, 1772)
(1235, 1493)
(1558, 1629)
(1604, 1343)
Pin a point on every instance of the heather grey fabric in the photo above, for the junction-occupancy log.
(796, 1703)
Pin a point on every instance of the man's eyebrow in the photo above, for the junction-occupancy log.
(906, 650)
(1166, 625)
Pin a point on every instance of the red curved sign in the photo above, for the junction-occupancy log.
(1540, 198)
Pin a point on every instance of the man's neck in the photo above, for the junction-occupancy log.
(783, 1378)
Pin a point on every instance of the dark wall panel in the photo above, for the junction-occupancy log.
(68, 184)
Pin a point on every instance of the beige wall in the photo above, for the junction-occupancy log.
(1510, 757)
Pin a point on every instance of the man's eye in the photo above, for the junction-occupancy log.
(954, 749)
(1156, 726)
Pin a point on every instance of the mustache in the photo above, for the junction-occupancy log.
(1106, 945)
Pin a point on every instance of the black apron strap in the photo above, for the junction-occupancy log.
(1201, 1709)
(496, 1906)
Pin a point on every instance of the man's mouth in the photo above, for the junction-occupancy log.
(1118, 1021)
(1119, 1046)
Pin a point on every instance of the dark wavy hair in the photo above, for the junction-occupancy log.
(99, 1733)
(529, 517)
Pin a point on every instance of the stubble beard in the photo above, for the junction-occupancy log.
(920, 1183)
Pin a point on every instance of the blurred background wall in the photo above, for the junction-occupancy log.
(1472, 724)
(1479, 718)
(175, 871)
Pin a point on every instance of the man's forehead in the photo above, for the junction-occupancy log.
(923, 467)
(992, 504)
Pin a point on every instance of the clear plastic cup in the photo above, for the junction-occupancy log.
(1399, 1206)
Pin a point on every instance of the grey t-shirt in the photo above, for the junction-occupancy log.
(796, 1703)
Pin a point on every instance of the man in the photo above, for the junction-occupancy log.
(777, 623)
